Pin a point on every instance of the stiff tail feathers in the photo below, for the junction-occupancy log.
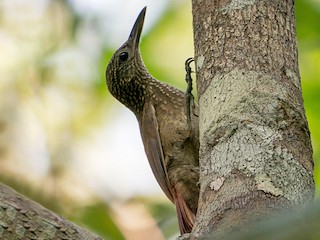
(185, 216)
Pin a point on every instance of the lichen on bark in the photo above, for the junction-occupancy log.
(255, 149)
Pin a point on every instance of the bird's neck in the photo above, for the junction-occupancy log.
(162, 95)
(145, 88)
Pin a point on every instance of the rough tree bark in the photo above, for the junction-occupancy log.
(21, 218)
(255, 149)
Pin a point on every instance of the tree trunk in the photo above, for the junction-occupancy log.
(255, 149)
(21, 218)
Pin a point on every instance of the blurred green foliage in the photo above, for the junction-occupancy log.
(96, 217)
(165, 215)
(308, 33)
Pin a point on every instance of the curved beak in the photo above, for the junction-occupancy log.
(137, 29)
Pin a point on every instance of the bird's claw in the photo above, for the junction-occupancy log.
(188, 95)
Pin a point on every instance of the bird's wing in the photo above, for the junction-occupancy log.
(149, 129)
(152, 144)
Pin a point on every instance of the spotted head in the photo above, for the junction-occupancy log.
(126, 73)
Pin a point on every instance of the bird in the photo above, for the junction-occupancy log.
(170, 137)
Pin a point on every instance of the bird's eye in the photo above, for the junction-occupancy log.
(123, 56)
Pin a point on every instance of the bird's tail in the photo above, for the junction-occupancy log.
(185, 216)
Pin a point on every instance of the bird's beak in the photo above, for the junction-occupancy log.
(137, 29)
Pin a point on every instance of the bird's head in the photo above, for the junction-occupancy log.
(126, 69)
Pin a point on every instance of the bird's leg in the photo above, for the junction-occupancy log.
(188, 95)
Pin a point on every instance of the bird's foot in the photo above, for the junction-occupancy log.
(188, 95)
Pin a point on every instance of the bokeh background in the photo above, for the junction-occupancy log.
(66, 143)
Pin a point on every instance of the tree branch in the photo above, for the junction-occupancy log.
(22, 218)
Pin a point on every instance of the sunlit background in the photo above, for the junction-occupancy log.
(66, 143)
